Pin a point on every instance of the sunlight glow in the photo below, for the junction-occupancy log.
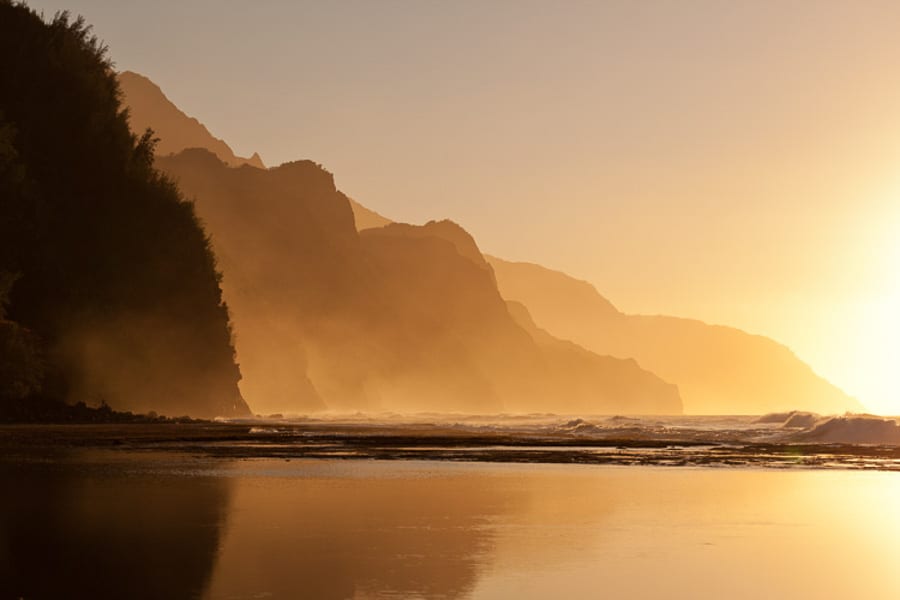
(876, 348)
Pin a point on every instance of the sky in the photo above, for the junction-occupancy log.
(735, 162)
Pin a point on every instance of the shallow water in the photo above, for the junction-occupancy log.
(123, 524)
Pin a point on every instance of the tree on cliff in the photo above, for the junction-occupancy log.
(113, 273)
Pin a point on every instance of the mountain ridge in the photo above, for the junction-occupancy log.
(688, 353)
(542, 292)
(150, 108)
(400, 318)
(708, 362)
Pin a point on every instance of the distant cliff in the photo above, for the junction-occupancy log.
(366, 218)
(401, 318)
(111, 293)
(719, 370)
(286, 242)
(530, 370)
(149, 107)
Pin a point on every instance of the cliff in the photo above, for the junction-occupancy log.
(149, 107)
(399, 318)
(114, 289)
(366, 218)
(719, 370)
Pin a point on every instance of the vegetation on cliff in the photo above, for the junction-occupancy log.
(114, 295)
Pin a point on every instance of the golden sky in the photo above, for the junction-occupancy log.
(737, 162)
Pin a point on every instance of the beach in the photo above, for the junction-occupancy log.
(169, 523)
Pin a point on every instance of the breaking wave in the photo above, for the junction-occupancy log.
(783, 427)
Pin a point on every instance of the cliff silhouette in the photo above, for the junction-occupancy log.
(111, 293)
(393, 318)
(719, 370)
(533, 373)
(399, 318)
(149, 108)
(366, 218)
(285, 240)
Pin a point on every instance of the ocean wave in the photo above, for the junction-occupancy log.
(854, 429)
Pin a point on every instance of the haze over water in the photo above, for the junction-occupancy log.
(731, 162)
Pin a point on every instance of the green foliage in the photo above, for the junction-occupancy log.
(117, 276)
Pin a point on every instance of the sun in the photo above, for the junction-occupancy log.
(876, 347)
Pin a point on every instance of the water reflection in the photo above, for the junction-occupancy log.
(348, 529)
(125, 525)
(369, 529)
(91, 528)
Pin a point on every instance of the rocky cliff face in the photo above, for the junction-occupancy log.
(285, 238)
(719, 370)
(149, 107)
(593, 379)
(400, 318)
(397, 317)
(536, 374)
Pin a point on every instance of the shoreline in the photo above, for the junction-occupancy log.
(355, 442)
